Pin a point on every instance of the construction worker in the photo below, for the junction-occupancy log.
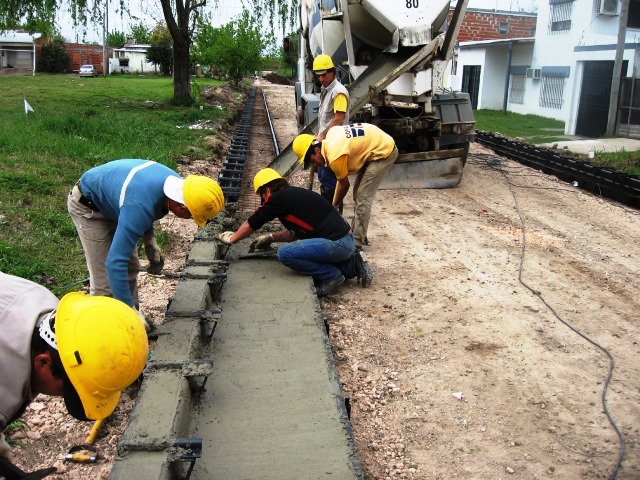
(85, 349)
(357, 148)
(319, 242)
(333, 110)
(115, 204)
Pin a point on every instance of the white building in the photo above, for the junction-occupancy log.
(132, 58)
(18, 50)
(564, 72)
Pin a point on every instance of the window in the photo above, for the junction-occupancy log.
(516, 88)
(559, 16)
(551, 91)
(503, 29)
(633, 20)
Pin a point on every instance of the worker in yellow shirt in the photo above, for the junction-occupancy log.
(357, 148)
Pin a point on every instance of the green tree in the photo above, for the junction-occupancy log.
(161, 55)
(204, 39)
(54, 57)
(289, 52)
(116, 39)
(160, 52)
(181, 17)
(234, 49)
(45, 27)
(140, 33)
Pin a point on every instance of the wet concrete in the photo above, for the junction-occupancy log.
(271, 406)
(596, 145)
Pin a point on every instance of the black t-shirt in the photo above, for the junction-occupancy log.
(302, 211)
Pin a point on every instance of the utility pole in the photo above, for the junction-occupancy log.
(105, 40)
(617, 69)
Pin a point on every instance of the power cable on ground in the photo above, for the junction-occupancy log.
(497, 165)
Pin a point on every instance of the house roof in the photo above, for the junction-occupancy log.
(14, 37)
(491, 43)
(138, 47)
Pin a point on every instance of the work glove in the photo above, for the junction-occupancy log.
(225, 237)
(156, 260)
(262, 242)
(5, 449)
(143, 320)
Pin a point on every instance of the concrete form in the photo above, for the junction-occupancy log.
(271, 406)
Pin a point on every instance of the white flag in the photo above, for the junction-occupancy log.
(27, 107)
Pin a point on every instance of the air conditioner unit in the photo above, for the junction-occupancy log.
(534, 73)
(608, 7)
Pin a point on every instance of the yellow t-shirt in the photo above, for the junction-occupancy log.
(346, 148)
(340, 103)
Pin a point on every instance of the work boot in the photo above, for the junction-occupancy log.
(363, 270)
(325, 288)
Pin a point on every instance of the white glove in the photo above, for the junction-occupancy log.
(143, 320)
(5, 449)
(156, 260)
(225, 237)
(262, 242)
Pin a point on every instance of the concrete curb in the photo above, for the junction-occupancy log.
(271, 406)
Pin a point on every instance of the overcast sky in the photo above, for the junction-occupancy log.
(150, 13)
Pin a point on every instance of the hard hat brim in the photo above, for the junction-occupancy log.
(73, 403)
(306, 163)
(70, 394)
(320, 72)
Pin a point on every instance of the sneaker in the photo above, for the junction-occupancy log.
(363, 270)
(325, 288)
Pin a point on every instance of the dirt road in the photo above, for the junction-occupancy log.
(467, 357)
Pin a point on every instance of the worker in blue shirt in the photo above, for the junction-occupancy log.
(114, 205)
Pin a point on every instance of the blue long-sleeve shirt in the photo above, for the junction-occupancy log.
(134, 208)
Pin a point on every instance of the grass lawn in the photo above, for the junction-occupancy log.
(78, 123)
(530, 128)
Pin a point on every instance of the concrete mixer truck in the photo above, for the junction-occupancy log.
(393, 56)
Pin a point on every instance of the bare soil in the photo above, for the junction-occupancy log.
(482, 348)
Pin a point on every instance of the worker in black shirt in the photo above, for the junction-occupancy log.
(320, 243)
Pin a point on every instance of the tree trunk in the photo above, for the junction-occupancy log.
(181, 80)
(181, 36)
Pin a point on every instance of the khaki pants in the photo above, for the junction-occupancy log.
(96, 234)
(366, 185)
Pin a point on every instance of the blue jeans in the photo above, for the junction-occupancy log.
(320, 258)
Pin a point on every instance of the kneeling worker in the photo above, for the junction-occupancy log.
(86, 349)
(320, 243)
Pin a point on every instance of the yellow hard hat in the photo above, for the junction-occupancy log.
(322, 63)
(103, 349)
(203, 197)
(301, 146)
(263, 177)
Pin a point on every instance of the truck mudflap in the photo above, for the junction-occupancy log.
(442, 169)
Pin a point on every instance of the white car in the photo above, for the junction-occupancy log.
(88, 71)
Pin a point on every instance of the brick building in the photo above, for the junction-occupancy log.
(479, 24)
(86, 54)
(80, 54)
